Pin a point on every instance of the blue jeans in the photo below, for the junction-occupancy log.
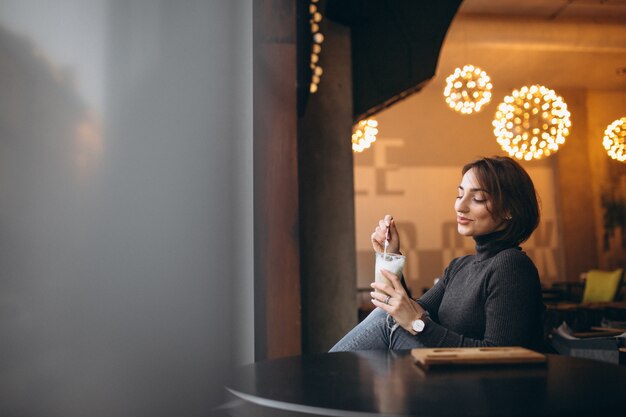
(379, 331)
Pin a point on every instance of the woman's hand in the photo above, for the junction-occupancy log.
(386, 229)
(399, 306)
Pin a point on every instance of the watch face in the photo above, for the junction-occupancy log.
(418, 325)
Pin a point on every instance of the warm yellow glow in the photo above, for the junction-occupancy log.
(614, 140)
(531, 123)
(364, 134)
(318, 38)
(468, 89)
(88, 145)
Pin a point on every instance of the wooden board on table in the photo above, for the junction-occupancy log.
(439, 357)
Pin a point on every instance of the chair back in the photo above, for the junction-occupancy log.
(602, 286)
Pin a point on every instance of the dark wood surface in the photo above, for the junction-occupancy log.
(388, 383)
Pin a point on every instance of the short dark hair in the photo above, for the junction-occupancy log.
(511, 194)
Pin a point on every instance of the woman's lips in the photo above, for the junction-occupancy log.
(462, 220)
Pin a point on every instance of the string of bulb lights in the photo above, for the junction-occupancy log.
(316, 48)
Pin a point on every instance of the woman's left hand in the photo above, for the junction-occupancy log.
(399, 306)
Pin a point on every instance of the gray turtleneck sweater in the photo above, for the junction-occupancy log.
(492, 298)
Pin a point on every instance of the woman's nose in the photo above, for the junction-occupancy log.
(460, 205)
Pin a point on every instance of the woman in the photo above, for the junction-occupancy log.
(491, 298)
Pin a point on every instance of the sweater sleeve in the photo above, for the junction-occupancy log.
(512, 313)
(431, 300)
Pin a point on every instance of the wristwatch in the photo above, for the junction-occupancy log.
(418, 325)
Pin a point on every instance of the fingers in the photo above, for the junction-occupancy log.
(379, 236)
(385, 224)
(386, 307)
(377, 242)
(382, 288)
(381, 305)
(387, 219)
(393, 231)
(386, 230)
(381, 297)
(395, 281)
(387, 289)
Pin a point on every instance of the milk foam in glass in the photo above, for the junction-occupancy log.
(392, 262)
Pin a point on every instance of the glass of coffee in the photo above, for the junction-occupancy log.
(392, 262)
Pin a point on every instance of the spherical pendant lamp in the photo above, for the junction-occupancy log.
(531, 123)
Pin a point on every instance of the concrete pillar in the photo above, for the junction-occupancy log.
(276, 263)
(328, 260)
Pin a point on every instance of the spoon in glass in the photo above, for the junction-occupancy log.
(386, 241)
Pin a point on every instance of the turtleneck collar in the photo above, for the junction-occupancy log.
(488, 245)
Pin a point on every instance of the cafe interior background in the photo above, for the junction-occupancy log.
(178, 201)
(413, 167)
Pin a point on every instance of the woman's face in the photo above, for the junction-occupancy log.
(472, 208)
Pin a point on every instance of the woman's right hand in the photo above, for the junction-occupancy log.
(386, 229)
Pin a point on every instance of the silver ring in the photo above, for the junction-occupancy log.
(387, 299)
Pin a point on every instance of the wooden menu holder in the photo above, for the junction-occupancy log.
(446, 357)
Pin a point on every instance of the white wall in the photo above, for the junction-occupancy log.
(126, 210)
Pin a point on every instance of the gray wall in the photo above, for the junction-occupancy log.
(126, 205)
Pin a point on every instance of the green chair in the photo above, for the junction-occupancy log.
(602, 286)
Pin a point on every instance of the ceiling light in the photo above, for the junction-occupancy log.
(468, 89)
(614, 138)
(364, 134)
(531, 123)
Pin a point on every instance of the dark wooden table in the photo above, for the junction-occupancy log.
(388, 383)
